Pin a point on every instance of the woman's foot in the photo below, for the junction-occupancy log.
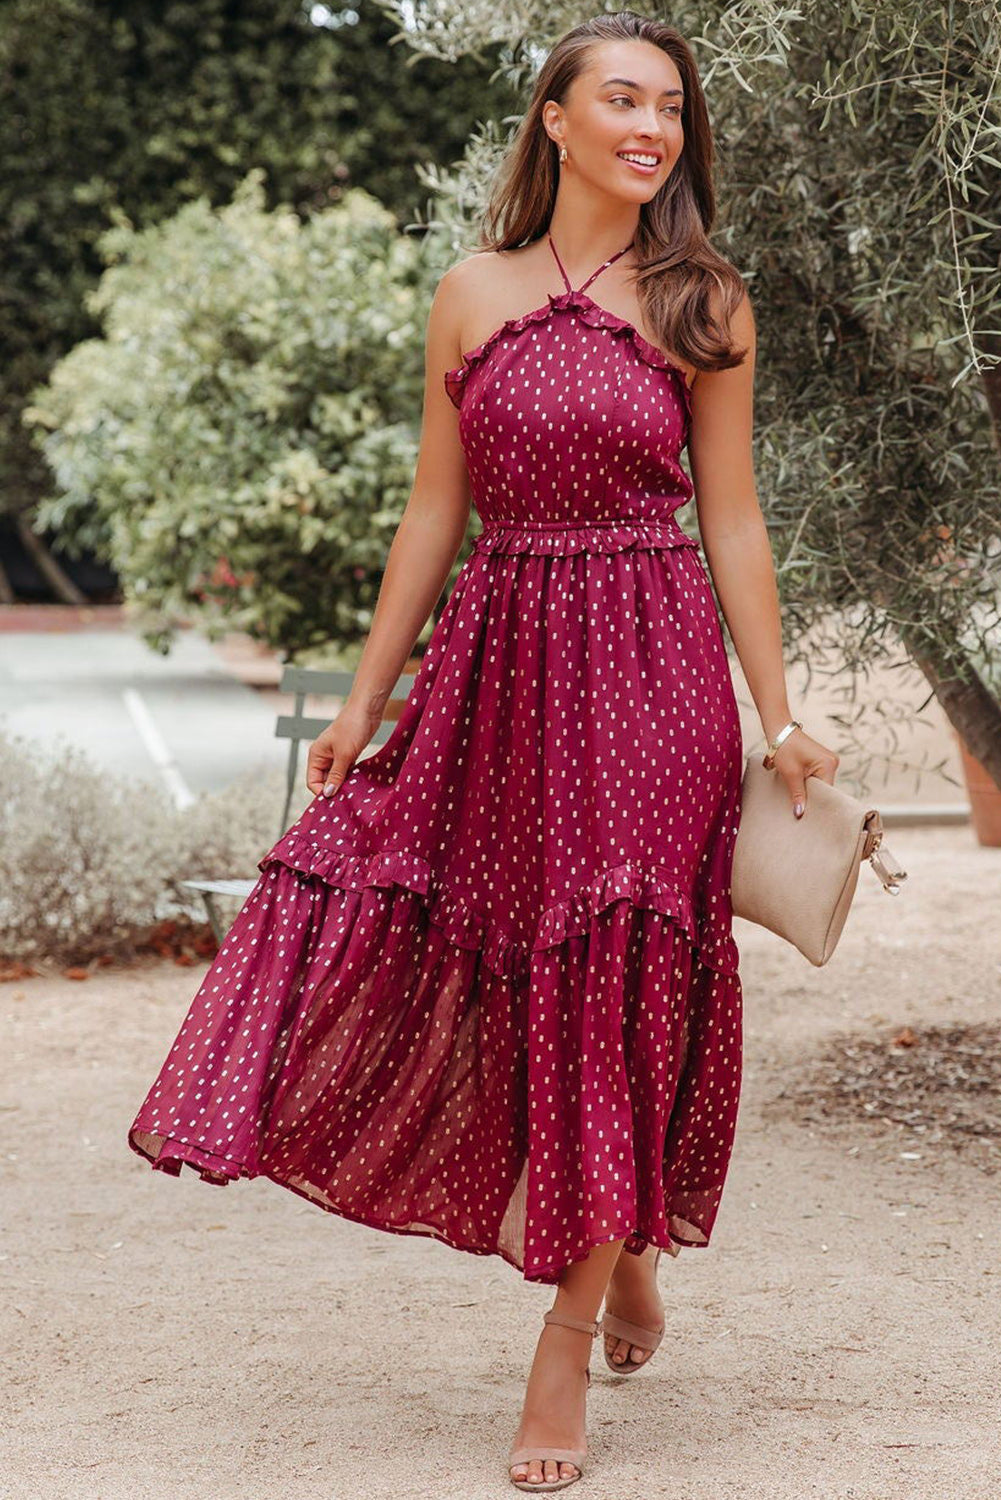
(632, 1294)
(553, 1414)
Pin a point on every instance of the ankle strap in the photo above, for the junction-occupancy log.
(552, 1316)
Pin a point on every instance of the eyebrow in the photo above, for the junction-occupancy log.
(631, 84)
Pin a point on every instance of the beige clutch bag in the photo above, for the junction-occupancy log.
(797, 876)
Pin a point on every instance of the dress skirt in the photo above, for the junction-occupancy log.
(488, 992)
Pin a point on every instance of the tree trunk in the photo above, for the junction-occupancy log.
(969, 706)
(6, 592)
(59, 581)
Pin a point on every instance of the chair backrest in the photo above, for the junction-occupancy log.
(296, 727)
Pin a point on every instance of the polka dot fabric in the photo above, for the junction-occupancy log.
(489, 992)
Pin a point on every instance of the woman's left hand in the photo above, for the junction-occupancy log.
(798, 757)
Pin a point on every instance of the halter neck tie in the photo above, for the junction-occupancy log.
(604, 265)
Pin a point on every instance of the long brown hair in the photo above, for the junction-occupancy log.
(677, 267)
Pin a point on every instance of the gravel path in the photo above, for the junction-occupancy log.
(839, 1338)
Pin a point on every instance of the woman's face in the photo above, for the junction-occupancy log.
(627, 101)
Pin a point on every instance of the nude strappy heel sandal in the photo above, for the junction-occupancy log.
(558, 1455)
(643, 1338)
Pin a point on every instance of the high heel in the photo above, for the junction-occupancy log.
(539, 1452)
(643, 1338)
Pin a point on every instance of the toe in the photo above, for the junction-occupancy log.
(535, 1472)
(568, 1471)
(552, 1469)
(638, 1355)
(519, 1471)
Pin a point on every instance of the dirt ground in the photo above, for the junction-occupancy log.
(839, 1337)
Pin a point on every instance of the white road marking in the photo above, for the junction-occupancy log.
(156, 748)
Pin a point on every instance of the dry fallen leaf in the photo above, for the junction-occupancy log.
(16, 970)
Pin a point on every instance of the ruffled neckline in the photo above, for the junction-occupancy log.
(591, 313)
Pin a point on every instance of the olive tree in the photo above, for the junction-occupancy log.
(859, 178)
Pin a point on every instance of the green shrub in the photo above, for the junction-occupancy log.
(241, 443)
(89, 864)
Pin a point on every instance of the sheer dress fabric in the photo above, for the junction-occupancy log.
(489, 991)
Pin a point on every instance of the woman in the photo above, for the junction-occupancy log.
(486, 988)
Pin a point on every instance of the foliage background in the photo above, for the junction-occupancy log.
(859, 182)
(241, 441)
(91, 883)
(120, 112)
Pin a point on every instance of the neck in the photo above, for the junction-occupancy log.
(587, 236)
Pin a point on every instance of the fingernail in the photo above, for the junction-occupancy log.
(798, 809)
(328, 790)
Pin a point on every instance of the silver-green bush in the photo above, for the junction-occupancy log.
(89, 862)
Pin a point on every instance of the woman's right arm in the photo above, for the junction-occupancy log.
(422, 554)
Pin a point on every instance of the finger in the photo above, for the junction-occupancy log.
(797, 791)
(335, 776)
(315, 775)
(822, 767)
(317, 762)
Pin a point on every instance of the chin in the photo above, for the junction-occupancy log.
(639, 195)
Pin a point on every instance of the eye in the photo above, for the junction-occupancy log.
(674, 109)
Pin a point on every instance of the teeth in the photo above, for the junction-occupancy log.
(645, 161)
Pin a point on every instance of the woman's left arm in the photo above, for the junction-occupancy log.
(737, 548)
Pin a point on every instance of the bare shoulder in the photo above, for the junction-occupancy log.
(477, 293)
(742, 327)
(474, 275)
(456, 290)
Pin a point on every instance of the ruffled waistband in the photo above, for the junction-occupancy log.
(561, 538)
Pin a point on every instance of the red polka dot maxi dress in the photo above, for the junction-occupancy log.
(488, 992)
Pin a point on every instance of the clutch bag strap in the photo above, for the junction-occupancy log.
(886, 866)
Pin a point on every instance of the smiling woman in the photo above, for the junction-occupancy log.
(486, 988)
(635, 155)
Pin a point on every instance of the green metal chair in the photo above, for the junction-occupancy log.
(294, 727)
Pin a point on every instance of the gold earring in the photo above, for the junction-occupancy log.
(563, 154)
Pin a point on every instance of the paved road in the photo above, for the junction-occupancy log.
(182, 719)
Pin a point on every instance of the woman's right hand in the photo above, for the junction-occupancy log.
(334, 752)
